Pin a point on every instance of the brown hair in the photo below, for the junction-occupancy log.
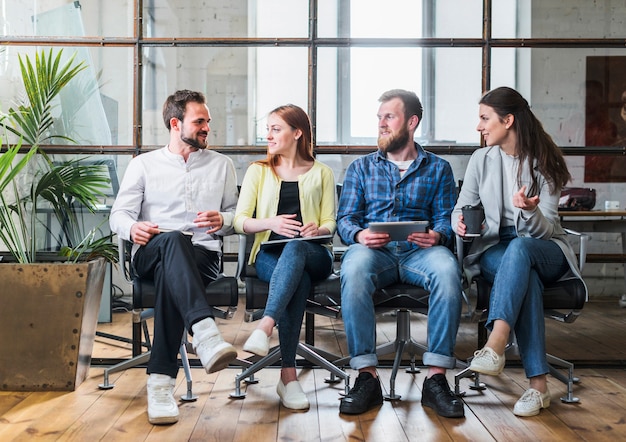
(533, 142)
(175, 105)
(296, 118)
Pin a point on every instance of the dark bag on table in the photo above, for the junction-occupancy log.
(577, 198)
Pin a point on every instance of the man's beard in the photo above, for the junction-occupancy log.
(395, 142)
(194, 142)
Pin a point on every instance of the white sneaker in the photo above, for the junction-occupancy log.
(531, 403)
(162, 407)
(258, 343)
(292, 396)
(487, 361)
(214, 353)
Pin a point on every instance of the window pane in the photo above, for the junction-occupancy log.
(350, 81)
(558, 19)
(234, 18)
(241, 85)
(457, 88)
(555, 83)
(370, 19)
(73, 19)
(457, 19)
(95, 108)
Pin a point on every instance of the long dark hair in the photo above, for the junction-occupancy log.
(296, 118)
(533, 142)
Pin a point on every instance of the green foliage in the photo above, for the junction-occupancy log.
(62, 188)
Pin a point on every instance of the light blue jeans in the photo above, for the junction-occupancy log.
(290, 272)
(518, 267)
(363, 270)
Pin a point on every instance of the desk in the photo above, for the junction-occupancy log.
(610, 221)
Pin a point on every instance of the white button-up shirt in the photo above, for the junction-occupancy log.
(162, 188)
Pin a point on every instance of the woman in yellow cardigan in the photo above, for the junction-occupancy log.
(287, 195)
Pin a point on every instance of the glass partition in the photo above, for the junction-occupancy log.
(66, 19)
(95, 108)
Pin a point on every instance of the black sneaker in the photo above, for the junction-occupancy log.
(365, 395)
(437, 395)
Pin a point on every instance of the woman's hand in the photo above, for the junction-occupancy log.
(285, 225)
(461, 228)
(520, 200)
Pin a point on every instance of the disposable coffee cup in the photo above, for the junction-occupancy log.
(473, 217)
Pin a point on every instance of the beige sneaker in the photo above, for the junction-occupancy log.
(162, 407)
(531, 403)
(214, 353)
(487, 361)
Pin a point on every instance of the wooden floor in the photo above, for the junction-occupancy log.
(596, 341)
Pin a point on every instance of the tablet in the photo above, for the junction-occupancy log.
(321, 239)
(399, 230)
(184, 232)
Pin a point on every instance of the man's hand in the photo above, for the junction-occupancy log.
(142, 232)
(425, 239)
(520, 200)
(372, 240)
(211, 219)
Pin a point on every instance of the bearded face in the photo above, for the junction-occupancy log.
(198, 139)
(390, 141)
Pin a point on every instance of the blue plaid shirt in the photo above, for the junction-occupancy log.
(374, 192)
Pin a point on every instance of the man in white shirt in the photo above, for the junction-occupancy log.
(182, 187)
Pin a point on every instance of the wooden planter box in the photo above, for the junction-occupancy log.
(48, 320)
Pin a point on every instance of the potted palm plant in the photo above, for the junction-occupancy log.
(50, 302)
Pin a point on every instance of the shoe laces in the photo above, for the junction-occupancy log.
(359, 386)
(441, 385)
(531, 396)
(161, 394)
(487, 353)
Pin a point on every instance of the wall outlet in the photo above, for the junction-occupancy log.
(611, 205)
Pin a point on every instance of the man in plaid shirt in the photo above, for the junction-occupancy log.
(399, 182)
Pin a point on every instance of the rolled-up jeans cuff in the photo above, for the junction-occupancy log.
(362, 361)
(435, 360)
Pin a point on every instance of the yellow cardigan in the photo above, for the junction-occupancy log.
(260, 192)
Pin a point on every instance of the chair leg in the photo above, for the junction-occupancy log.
(568, 380)
(189, 396)
(124, 365)
(272, 357)
(403, 343)
(312, 355)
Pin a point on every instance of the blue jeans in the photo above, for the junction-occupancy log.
(290, 272)
(518, 267)
(364, 270)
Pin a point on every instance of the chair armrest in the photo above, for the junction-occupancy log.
(459, 250)
(582, 247)
(123, 251)
(241, 255)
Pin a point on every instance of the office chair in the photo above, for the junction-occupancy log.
(223, 292)
(256, 298)
(563, 301)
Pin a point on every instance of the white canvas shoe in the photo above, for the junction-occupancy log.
(214, 353)
(531, 403)
(292, 396)
(487, 361)
(258, 343)
(162, 407)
